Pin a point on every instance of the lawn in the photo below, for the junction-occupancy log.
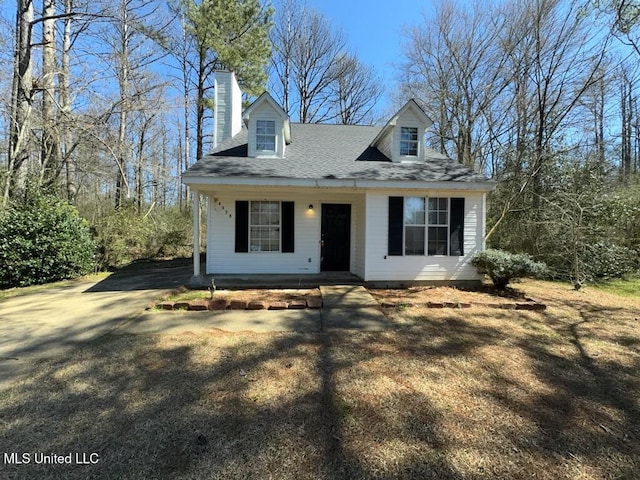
(472, 393)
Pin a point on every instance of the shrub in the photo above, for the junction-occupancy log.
(43, 240)
(124, 235)
(607, 260)
(502, 267)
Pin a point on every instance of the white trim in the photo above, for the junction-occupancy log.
(214, 181)
(196, 234)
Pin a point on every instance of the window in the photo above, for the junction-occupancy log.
(414, 214)
(438, 231)
(266, 135)
(264, 226)
(409, 141)
(432, 226)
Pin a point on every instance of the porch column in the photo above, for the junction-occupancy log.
(197, 278)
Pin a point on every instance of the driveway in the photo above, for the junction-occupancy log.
(51, 322)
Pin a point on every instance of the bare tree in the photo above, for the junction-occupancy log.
(458, 65)
(355, 91)
(49, 157)
(18, 156)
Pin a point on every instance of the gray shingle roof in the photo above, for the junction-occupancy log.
(319, 151)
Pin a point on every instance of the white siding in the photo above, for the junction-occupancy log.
(221, 257)
(386, 144)
(228, 107)
(381, 267)
(266, 112)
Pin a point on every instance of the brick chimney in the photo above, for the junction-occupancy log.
(227, 110)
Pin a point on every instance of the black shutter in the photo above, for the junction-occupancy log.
(456, 227)
(396, 225)
(287, 227)
(242, 226)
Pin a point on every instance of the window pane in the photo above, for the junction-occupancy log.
(437, 243)
(438, 211)
(265, 227)
(408, 141)
(267, 127)
(266, 142)
(414, 241)
(266, 135)
(414, 211)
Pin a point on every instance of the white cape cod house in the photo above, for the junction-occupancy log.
(288, 198)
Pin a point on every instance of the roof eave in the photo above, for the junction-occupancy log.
(198, 180)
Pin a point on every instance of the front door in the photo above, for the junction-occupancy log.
(336, 237)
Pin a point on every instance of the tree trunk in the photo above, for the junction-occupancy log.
(49, 149)
(18, 158)
(123, 84)
(65, 107)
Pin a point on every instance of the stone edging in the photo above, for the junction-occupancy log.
(222, 304)
(316, 303)
(532, 306)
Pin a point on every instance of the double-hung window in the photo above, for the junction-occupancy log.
(432, 226)
(264, 226)
(266, 135)
(409, 141)
(438, 231)
(414, 217)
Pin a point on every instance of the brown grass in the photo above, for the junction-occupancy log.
(475, 393)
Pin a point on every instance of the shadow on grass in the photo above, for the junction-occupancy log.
(421, 401)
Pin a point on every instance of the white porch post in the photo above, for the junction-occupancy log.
(196, 238)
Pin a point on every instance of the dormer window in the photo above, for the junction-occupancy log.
(409, 141)
(266, 135)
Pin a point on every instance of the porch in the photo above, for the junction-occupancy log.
(247, 281)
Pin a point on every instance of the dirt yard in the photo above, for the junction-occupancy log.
(475, 393)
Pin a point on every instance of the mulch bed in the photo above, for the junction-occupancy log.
(425, 297)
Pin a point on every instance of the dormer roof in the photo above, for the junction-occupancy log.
(410, 105)
(266, 98)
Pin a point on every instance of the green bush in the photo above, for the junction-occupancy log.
(608, 260)
(502, 267)
(124, 235)
(43, 240)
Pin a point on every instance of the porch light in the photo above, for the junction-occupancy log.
(311, 206)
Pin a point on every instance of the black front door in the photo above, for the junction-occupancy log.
(336, 237)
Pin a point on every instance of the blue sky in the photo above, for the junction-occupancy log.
(374, 28)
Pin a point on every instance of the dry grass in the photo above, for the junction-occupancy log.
(447, 394)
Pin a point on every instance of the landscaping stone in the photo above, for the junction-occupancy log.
(534, 307)
(278, 306)
(257, 305)
(490, 305)
(218, 304)
(198, 305)
(181, 306)
(166, 305)
(314, 302)
(238, 305)
(297, 305)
